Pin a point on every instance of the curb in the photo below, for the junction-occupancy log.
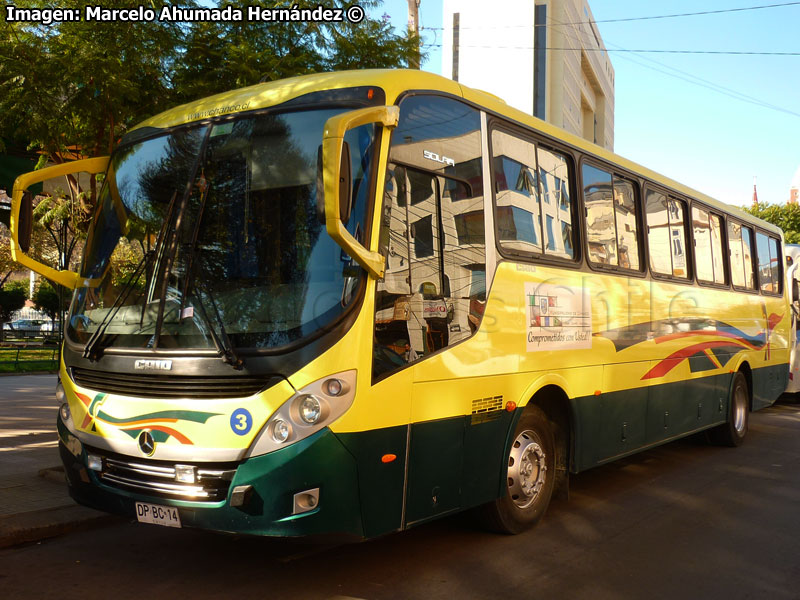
(42, 524)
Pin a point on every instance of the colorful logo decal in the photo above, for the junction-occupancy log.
(702, 356)
(158, 424)
(558, 317)
(241, 421)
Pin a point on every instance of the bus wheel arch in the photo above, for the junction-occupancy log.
(733, 431)
(537, 463)
(744, 369)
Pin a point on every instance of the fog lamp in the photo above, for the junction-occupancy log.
(185, 474)
(61, 394)
(94, 462)
(64, 412)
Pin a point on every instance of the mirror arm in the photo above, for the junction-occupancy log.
(68, 279)
(332, 142)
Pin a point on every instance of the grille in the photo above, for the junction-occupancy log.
(170, 386)
(157, 478)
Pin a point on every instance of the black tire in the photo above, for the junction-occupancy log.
(733, 432)
(528, 493)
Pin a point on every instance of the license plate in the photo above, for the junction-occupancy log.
(157, 514)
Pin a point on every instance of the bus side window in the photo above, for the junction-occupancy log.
(598, 198)
(736, 254)
(769, 263)
(658, 233)
(517, 188)
(554, 173)
(627, 217)
(740, 244)
(666, 235)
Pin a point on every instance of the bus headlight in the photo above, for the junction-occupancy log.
(310, 409)
(280, 431)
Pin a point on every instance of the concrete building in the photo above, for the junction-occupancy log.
(544, 57)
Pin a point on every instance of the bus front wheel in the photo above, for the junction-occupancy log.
(732, 433)
(530, 476)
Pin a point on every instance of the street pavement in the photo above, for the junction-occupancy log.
(34, 502)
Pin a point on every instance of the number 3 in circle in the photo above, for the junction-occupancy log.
(241, 421)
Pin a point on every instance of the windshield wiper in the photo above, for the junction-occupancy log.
(92, 350)
(222, 342)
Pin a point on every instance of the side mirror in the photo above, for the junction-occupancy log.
(25, 221)
(21, 219)
(345, 185)
(337, 179)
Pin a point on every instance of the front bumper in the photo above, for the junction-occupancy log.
(319, 461)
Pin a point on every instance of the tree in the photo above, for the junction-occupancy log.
(785, 216)
(224, 56)
(74, 87)
(12, 297)
(50, 300)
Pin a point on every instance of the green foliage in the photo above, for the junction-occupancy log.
(46, 299)
(12, 297)
(76, 87)
(785, 216)
(224, 56)
(80, 84)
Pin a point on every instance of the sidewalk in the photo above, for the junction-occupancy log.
(34, 502)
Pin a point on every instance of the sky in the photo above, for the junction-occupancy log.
(710, 121)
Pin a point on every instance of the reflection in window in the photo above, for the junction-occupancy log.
(434, 289)
(769, 263)
(540, 197)
(627, 219)
(716, 249)
(612, 232)
(707, 228)
(775, 264)
(600, 228)
(702, 245)
(739, 245)
(764, 270)
(747, 250)
(666, 235)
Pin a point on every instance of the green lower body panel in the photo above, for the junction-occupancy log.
(320, 461)
(768, 384)
(616, 424)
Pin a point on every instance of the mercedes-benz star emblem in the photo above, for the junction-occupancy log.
(146, 443)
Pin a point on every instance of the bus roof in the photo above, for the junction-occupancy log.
(395, 82)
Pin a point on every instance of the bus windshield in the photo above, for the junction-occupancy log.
(219, 228)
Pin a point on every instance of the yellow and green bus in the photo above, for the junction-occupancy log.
(349, 303)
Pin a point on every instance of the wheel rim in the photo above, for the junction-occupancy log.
(739, 409)
(526, 469)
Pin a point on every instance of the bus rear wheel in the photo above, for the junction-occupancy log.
(530, 477)
(734, 431)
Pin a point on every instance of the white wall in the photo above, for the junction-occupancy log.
(496, 47)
